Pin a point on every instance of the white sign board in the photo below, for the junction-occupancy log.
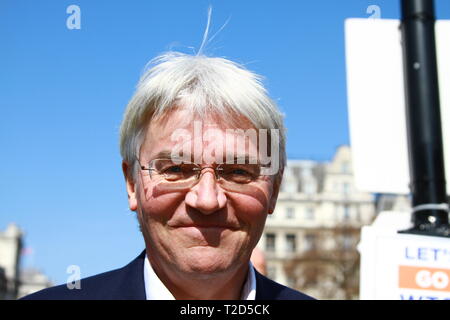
(376, 102)
(402, 266)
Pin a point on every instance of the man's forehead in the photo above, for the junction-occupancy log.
(185, 119)
(182, 131)
(205, 127)
(181, 120)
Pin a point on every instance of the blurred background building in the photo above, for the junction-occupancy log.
(310, 241)
(15, 282)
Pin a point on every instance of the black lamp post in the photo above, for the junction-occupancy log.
(430, 214)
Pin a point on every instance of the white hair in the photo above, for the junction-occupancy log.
(204, 85)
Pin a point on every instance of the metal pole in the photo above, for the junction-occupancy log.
(426, 155)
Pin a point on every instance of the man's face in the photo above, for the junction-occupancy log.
(205, 229)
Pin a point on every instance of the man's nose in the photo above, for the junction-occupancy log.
(206, 196)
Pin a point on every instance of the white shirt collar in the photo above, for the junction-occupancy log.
(156, 290)
(249, 289)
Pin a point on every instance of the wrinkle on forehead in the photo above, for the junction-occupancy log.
(182, 117)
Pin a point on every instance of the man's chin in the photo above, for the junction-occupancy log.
(207, 261)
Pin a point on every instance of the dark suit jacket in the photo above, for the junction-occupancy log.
(127, 283)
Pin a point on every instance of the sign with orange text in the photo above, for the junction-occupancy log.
(398, 266)
(423, 278)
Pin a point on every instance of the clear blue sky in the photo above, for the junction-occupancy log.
(63, 92)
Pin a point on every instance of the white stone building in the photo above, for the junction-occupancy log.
(32, 280)
(318, 211)
(10, 248)
(14, 281)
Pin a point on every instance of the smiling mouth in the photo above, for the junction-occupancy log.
(206, 227)
(204, 235)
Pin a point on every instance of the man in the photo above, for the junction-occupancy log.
(203, 151)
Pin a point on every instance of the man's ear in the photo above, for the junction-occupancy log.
(131, 186)
(276, 190)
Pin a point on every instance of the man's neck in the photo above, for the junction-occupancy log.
(225, 286)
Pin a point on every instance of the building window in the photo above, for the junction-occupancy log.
(309, 213)
(310, 242)
(347, 241)
(346, 188)
(345, 167)
(358, 213)
(290, 184)
(290, 212)
(346, 213)
(270, 242)
(290, 243)
(309, 186)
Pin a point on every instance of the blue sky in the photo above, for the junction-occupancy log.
(63, 93)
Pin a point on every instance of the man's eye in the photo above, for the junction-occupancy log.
(239, 172)
(173, 169)
(250, 169)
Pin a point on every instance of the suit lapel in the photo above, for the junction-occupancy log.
(264, 288)
(131, 280)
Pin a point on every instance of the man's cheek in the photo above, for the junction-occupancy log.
(163, 206)
(249, 208)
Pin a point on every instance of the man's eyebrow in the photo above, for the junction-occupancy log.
(230, 158)
(168, 154)
(227, 158)
(165, 154)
